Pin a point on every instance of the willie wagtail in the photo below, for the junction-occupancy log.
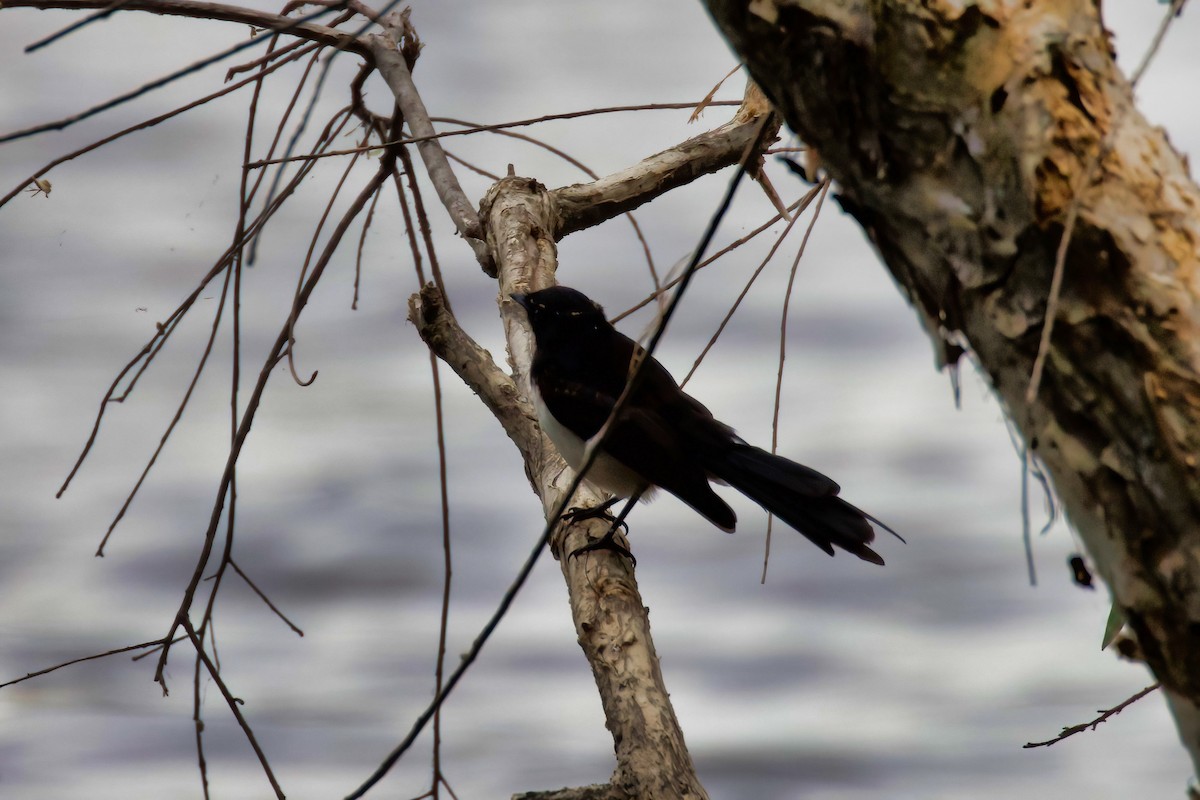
(664, 438)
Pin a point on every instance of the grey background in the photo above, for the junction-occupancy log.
(835, 679)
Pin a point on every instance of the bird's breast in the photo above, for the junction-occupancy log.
(605, 473)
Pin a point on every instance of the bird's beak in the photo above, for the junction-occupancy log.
(521, 300)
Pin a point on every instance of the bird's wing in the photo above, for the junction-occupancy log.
(644, 439)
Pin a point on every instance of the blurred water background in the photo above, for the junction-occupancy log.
(835, 680)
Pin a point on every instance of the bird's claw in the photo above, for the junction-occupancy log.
(605, 542)
(579, 514)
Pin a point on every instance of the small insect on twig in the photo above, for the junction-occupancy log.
(40, 186)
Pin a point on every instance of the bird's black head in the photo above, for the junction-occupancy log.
(560, 310)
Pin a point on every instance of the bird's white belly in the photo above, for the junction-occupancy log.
(605, 473)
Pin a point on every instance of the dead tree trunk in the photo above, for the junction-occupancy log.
(965, 141)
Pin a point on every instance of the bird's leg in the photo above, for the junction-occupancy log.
(606, 542)
(578, 513)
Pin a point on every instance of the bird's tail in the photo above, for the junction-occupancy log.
(801, 497)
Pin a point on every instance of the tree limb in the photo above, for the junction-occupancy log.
(391, 63)
(610, 617)
(474, 365)
(956, 135)
(219, 11)
(583, 205)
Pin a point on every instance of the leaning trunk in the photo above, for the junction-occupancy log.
(970, 145)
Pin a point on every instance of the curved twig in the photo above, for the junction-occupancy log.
(301, 27)
(252, 408)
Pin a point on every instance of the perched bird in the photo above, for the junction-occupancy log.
(664, 438)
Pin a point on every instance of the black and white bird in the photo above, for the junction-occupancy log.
(664, 438)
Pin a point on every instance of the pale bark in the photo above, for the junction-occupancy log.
(521, 221)
(610, 618)
(393, 65)
(956, 134)
(582, 205)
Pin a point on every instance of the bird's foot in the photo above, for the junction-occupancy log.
(606, 542)
(579, 514)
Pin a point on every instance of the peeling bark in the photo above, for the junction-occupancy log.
(612, 623)
(960, 135)
(521, 222)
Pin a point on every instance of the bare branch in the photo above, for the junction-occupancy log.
(200, 9)
(637, 229)
(475, 366)
(262, 596)
(584, 205)
(393, 67)
(233, 702)
(251, 409)
(1104, 716)
(164, 329)
(611, 621)
(156, 120)
(801, 205)
(496, 127)
(27, 676)
(104, 13)
(185, 8)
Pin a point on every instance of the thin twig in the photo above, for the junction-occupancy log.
(491, 176)
(371, 16)
(414, 188)
(245, 196)
(252, 405)
(312, 245)
(1104, 715)
(1172, 13)
(162, 442)
(502, 125)
(103, 13)
(105, 654)
(800, 206)
(444, 624)
(274, 53)
(151, 122)
(787, 300)
(262, 596)
(584, 168)
(276, 24)
(252, 256)
(1060, 262)
(164, 330)
(198, 724)
(358, 253)
(653, 296)
(233, 702)
(410, 229)
(1026, 527)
